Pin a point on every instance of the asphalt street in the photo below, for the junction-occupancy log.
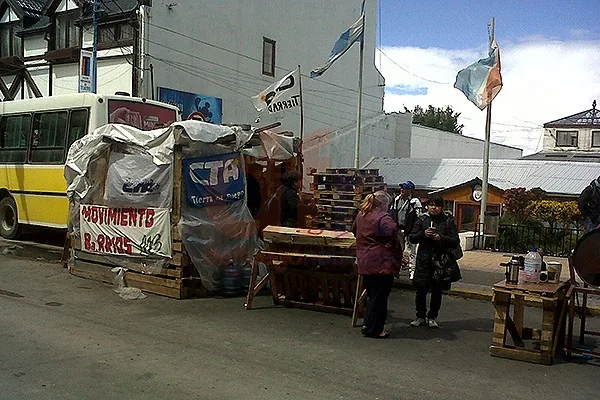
(65, 337)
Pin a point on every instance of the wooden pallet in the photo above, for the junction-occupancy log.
(348, 188)
(339, 203)
(342, 179)
(323, 282)
(335, 209)
(352, 171)
(344, 196)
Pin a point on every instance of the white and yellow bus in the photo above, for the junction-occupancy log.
(35, 135)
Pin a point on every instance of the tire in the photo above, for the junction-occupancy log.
(9, 221)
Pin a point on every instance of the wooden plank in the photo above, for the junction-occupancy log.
(177, 182)
(335, 290)
(176, 293)
(96, 272)
(319, 237)
(501, 302)
(521, 355)
(133, 277)
(317, 307)
(130, 264)
(177, 247)
(347, 291)
(519, 311)
(540, 289)
(176, 235)
(548, 325)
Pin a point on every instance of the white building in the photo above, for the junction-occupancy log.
(210, 57)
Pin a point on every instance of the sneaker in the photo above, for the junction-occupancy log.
(418, 322)
(411, 274)
(433, 323)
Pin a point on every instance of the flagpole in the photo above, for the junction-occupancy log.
(301, 103)
(359, 106)
(486, 158)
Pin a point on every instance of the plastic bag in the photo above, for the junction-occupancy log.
(127, 293)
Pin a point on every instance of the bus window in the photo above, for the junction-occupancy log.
(77, 125)
(14, 136)
(49, 134)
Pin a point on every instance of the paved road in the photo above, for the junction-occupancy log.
(65, 337)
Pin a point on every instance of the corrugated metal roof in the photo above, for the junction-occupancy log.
(555, 177)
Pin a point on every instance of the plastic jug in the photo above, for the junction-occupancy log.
(230, 280)
(532, 266)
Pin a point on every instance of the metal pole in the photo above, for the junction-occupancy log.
(359, 107)
(301, 103)
(486, 159)
(95, 50)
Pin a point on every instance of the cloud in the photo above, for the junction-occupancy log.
(544, 80)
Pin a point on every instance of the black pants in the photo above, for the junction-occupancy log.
(378, 288)
(434, 303)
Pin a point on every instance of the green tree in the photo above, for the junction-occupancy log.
(444, 119)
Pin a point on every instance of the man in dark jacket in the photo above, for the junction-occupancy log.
(286, 201)
(589, 205)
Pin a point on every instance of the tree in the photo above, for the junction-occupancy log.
(444, 119)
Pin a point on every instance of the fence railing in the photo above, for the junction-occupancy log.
(519, 239)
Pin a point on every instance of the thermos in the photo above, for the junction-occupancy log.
(512, 271)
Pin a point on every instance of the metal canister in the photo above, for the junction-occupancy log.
(513, 271)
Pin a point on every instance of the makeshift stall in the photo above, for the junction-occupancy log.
(167, 207)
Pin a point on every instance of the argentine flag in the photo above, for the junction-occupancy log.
(341, 46)
(481, 81)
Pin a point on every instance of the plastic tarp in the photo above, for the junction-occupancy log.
(117, 156)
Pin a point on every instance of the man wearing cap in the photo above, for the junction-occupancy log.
(405, 210)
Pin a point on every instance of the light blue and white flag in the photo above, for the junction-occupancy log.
(341, 46)
(481, 81)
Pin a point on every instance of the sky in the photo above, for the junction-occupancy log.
(549, 51)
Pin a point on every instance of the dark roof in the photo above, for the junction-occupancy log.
(25, 8)
(472, 182)
(105, 7)
(555, 155)
(585, 119)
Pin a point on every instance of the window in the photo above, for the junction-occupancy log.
(10, 44)
(14, 137)
(77, 125)
(67, 34)
(268, 58)
(566, 138)
(49, 134)
(595, 138)
(115, 33)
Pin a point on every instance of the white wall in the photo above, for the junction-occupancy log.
(34, 45)
(65, 79)
(433, 143)
(40, 77)
(385, 135)
(584, 141)
(220, 56)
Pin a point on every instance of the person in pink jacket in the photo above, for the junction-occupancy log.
(378, 257)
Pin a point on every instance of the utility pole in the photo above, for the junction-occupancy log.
(95, 49)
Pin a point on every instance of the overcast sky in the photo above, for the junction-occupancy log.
(550, 56)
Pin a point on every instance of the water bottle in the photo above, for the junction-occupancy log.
(532, 266)
(246, 273)
(230, 280)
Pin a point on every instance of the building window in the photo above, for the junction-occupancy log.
(67, 33)
(10, 44)
(115, 33)
(268, 58)
(567, 138)
(595, 138)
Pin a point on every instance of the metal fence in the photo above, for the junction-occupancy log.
(519, 239)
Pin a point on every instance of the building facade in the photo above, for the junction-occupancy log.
(576, 133)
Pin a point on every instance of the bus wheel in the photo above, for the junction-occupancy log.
(9, 223)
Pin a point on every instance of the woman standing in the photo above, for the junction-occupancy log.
(378, 258)
(437, 235)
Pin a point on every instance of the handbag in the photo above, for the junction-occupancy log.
(446, 269)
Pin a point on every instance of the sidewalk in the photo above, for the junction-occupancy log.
(481, 270)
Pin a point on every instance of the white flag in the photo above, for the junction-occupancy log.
(281, 95)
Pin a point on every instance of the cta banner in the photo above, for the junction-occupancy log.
(138, 232)
(214, 180)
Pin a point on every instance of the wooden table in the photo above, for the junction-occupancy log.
(544, 342)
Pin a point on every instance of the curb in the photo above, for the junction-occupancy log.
(486, 295)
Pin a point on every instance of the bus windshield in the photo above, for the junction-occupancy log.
(143, 116)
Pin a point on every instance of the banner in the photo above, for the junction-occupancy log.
(192, 105)
(214, 180)
(140, 232)
(85, 71)
(133, 180)
(281, 95)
